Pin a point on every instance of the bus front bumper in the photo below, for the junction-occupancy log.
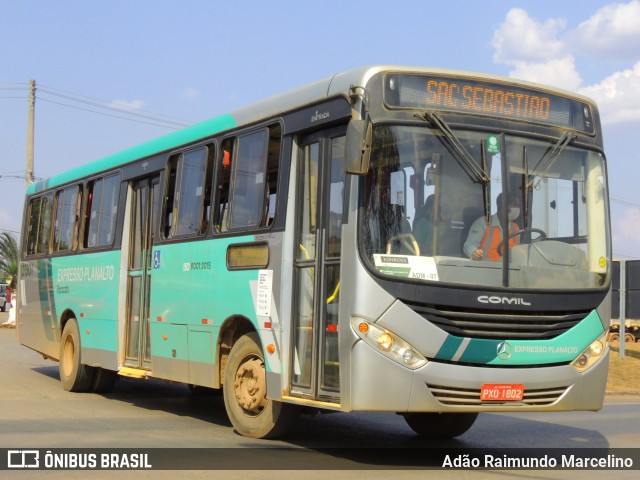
(444, 387)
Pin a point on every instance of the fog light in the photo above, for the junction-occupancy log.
(385, 342)
(582, 361)
(408, 356)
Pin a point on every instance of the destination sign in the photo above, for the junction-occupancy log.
(488, 98)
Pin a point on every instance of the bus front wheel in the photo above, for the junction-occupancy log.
(439, 424)
(250, 411)
(75, 376)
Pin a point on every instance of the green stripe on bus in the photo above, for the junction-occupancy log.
(449, 348)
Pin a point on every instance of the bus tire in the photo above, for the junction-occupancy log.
(75, 376)
(251, 413)
(103, 380)
(629, 338)
(440, 424)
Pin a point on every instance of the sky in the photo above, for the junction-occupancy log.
(151, 62)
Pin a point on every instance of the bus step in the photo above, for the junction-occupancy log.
(133, 372)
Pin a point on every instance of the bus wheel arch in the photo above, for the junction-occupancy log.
(74, 375)
(232, 329)
(65, 317)
(251, 412)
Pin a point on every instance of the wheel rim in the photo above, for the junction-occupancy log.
(68, 355)
(250, 386)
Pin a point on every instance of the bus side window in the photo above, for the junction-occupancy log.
(39, 230)
(247, 196)
(101, 211)
(273, 165)
(32, 229)
(187, 194)
(66, 219)
(205, 214)
(248, 180)
(224, 184)
(170, 197)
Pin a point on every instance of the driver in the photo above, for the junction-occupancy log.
(483, 240)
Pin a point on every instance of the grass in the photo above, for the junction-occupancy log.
(624, 375)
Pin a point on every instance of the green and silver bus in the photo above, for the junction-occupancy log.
(308, 253)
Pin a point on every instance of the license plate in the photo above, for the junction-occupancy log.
(501, 392)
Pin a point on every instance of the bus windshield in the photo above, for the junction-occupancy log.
(433, 209)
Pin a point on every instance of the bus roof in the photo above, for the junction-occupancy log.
(337, 84)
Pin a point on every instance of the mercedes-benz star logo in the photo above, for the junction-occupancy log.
(504, 350)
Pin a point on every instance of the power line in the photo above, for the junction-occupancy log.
(158, 117)
(110, 103)
(107, 107)
(19, 177)
(138, 116)
(627, 203)
(107, 114)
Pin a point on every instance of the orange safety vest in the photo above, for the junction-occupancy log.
(496, 239)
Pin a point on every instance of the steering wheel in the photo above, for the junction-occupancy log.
(543, 236)
(406, 240)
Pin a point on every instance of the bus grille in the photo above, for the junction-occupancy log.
(464, 397)
(500, 324)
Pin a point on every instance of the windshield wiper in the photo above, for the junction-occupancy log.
(548, 159)
(476, 172)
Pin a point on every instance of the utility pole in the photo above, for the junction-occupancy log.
(28, 174)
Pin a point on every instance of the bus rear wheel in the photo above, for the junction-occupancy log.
(75, 376)
(440, 424)
(250, 411)
(103, 380)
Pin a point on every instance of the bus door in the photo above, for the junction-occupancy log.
(144, 208)
(321, 182)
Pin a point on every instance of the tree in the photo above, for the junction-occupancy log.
(8, 259)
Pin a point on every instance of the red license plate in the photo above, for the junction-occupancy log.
(501, 392)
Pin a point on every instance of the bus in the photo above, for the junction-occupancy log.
(307, 253)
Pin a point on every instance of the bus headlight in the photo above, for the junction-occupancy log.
(388, 343)
(591, 354)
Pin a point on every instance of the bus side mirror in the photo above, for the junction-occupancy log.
(358, 147)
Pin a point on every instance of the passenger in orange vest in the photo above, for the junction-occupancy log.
(482, 242)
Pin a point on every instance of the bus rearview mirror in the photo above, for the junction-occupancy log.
(358, 148)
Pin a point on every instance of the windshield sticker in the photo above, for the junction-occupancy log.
(407, 266)
(493, 144)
